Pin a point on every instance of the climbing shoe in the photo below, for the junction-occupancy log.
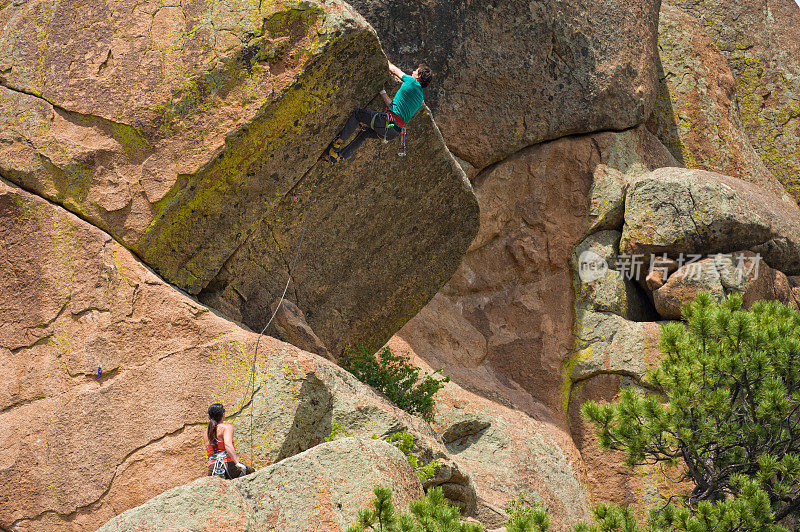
(333, 156)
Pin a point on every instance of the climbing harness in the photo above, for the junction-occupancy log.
(251, 383)
(219, 463)
(393, 120)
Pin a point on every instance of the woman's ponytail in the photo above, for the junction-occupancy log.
(215, 413)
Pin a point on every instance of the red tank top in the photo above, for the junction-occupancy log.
(220, 445)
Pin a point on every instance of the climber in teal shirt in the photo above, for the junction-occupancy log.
(383, 125)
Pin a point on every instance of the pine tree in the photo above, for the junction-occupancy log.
(431, 513)
(729, 416)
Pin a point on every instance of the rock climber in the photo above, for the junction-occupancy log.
(389, 125)
(222, 459)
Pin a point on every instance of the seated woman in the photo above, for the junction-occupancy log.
(222, 459)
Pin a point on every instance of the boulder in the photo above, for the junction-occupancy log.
(747, 274)
(503, 324)
(697, 114)
(743, 273)
(515, 73)
(508, 453)
(762, 45)
(322, 487)
(684, 285)
(379, 243)
(607, 199)
(112, 371)
(607, 343)
(209, 504)
(679, 211)
(603, 283)
(192, 133)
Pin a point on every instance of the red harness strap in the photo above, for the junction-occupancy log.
(396, 119)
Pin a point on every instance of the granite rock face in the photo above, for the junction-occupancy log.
(383, 234)
(112, 370)
(761, 41)
(321, 488)
(507, 453)
(603, 283)
(512, 73)
(697, 113)
(503, 325)
(191, 134)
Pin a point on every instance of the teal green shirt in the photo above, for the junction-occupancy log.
(408, 99)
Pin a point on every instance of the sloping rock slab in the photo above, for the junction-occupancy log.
(507, 453)
(674, 210)
(697, 114)
(191, 131)
(512, 73)
(110, 372)
(319, 489)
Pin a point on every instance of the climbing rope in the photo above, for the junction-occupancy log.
(250, 388)
(251, 381)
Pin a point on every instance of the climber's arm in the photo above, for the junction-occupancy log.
(396, 72)
(227, 438)
(386, 99)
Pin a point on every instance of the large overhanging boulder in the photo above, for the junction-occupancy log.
(679, 211)
(191, 133)
(512, 73)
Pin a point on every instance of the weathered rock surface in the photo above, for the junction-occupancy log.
(612, 353)
(607, 343)
(697, 114)
(607, 199)
(609, 480)
(290, 325)
(603, 283)
(503, 326)
(380, 241)
(513, 73)
(674, 211)
(684, 285)
(321, 488)
(742, 273)
(191, 133)
(761, 41)
(81, 445)
(508, 453)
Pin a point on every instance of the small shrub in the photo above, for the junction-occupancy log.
(526, 516)
(405, 442)
(395, 377)
(337, 431)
